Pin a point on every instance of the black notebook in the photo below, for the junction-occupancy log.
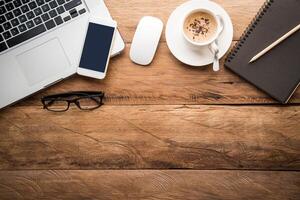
(278, 71)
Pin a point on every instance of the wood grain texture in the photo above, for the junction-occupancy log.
(152, 120)
(128, 13)
(149, 185)
(166, 81)
(157, 137)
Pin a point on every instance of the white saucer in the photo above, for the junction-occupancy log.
(182, 50)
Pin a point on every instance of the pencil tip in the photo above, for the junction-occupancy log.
(253, 59)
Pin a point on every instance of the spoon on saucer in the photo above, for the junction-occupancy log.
(214, 48)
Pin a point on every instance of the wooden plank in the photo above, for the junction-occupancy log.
(158, 137)
(133, 185)
(166, 81)
(128, 13)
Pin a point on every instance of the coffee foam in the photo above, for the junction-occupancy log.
(200, 26)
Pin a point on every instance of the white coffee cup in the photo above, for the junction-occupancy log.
(213, 38)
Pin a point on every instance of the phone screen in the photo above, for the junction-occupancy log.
(96, 47)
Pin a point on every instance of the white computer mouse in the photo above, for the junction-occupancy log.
(145, 40)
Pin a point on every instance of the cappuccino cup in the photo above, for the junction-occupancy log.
(201, 27)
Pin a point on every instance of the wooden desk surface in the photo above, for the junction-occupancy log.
(167, 131)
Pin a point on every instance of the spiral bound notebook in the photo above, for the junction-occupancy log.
(277, 72)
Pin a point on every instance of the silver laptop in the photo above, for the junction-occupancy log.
(40, 43)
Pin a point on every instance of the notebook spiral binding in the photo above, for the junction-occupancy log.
(249, 30)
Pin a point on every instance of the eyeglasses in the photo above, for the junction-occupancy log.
(83, 100)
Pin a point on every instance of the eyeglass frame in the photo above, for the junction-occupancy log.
(81, 94)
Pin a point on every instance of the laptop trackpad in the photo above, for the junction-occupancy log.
(44, 61)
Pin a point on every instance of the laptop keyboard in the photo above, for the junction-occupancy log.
(21, 20)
